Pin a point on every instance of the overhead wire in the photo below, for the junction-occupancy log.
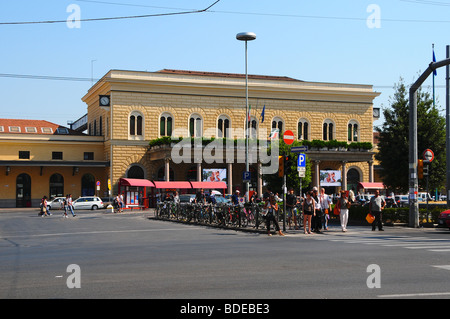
(113, 18)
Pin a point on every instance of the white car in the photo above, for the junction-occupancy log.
(56, 203)
(88, 202)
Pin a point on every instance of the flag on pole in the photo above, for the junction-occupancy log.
(434, 74)
(434, 60)
(262, 113)
(248, 115)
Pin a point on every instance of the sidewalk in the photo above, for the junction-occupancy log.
(19, 210)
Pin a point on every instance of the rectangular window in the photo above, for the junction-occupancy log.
(57, 155)
(88, 156)
(24, 154)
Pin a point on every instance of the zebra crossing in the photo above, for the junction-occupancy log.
(385, 239)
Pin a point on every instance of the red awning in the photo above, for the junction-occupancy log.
(136, 182)
(173, 184)
(209, 185)
(371, 185)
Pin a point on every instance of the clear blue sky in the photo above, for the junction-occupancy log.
(322, 41)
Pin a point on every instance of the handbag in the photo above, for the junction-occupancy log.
(370, 218)
(336, 210)
(349, 205)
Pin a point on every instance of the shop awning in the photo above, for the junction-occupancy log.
(371, 185)
(172, 184)
(136, 182)
(209, 185)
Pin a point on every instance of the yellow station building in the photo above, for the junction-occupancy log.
(128, 109)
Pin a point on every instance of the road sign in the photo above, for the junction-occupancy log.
(246, 176)
(299, 149)
(98, 183)
(288, 137)
(428, 155)
(301, 160)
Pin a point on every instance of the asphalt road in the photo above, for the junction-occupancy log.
(133, 256)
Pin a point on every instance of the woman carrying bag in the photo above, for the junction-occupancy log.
(343, 205)
(309, 205)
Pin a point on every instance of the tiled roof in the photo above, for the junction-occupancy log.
(228, 75)
(41, 127)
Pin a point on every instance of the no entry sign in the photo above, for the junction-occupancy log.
(428, 155)
(288, 137)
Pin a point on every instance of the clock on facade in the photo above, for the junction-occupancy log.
(104, 100)
(376, 112)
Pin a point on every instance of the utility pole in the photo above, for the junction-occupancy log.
(413, 151)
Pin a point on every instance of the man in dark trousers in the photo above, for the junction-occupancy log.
(376, 206)
(291, 201)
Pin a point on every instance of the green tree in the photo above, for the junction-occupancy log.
(275, 183)
(393, 143)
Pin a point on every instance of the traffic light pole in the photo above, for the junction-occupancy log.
(284, 191)
(413, 151)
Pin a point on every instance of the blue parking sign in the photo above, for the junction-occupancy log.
(301, 160)
(246, 176)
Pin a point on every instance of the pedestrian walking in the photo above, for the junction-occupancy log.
(70, 205)
(317, 216)
(65, 205)
(376, 206)
(308, 207)
(325, 202)
(44, 207)
(343, 205)
(117, 203)
(291, 202)
(272, 207)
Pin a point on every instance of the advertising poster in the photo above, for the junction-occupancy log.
(214, 175)
(330, 178)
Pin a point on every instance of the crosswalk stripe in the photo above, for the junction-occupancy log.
(369, 238)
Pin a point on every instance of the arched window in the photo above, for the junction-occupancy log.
(136, 171)
(136, 125)
(303, 129)
(253, 127)
(328, 130)
(165, 124)
(278, 124)
(352, 131)
(195, 125)
(223, 126)
(353, 178)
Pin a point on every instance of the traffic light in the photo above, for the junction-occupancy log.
(420, 169)
(280, 166)
(286, 163)
(425, 170)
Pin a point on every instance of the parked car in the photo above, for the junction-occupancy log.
(402, 200)
(187, 198)
(88, 202)
(56, 203)
(221, 200)
(444, 219)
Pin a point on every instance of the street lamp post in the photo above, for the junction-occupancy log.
(246, 36)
